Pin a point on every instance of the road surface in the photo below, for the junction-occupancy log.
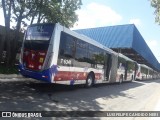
(30, 95)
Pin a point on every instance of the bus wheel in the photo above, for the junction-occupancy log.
(121, 79)
(89, 81)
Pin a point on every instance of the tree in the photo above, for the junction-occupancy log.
(62, 11)
(7, 7)
(21, 11)
(156, 5)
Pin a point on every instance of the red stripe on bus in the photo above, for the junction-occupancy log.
(66, 75)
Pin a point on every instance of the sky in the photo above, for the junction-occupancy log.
(98, 13)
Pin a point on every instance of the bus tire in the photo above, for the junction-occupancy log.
(89, 81)
(121, 79)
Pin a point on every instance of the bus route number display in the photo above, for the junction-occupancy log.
(66, 62)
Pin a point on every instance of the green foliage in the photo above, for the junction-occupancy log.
(35, 11)
(8, 70)
(22, 9)
(62, 11)
(156, 5)
(40, 11)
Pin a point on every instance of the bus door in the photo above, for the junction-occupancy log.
(107, 66)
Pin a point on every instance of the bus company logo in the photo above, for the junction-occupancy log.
(6, 114)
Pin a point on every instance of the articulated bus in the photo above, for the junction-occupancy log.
(55, 54)
(144, 72)
(155, 75)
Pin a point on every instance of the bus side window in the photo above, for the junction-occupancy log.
(81, 55)
(99, 58)
(62, 45)
(92, 56)
(67, 46)
(131, 66)
(66, 50)
(102, 58)
(70, 47)
(121, 63)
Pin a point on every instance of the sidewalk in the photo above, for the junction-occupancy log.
(5, 76)
(16, 78)
(157, 108)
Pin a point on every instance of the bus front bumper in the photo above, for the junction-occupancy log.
(43, 75)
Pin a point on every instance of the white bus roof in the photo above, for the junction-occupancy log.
(125, 57)
(85, 38)
(145, 66)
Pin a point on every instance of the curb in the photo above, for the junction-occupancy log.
(4, 76)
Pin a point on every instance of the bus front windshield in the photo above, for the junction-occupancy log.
(38, 37)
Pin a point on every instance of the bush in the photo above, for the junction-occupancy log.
(8, 70)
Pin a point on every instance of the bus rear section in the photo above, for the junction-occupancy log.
(144, 72)
(126, 69)
(34, 52)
